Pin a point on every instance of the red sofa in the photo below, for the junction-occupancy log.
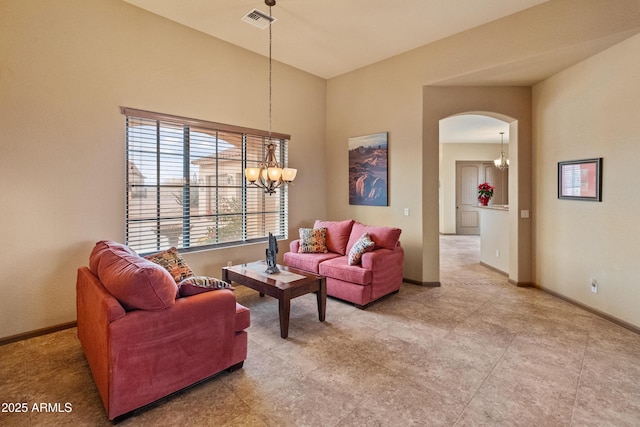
(148, 342)
(378, 274)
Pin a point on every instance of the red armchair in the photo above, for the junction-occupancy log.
(139, 354)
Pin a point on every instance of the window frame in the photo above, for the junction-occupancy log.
(250, 138)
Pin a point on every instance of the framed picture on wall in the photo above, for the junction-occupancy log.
(368, 170)
(580, 180)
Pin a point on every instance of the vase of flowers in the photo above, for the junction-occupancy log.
(485, 193)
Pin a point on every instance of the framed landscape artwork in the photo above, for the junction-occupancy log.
(368, 170)
(580, 180)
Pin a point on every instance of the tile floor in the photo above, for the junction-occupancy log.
(475, 351)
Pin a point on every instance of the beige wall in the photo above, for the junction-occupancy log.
(65, 69)
(494, 239)
(591, 110)
(363, 103)
(387, 96)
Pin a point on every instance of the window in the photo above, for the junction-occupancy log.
(186, 188)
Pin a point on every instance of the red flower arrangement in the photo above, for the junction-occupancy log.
(485, 193)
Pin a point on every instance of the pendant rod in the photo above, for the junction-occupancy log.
(270, 3)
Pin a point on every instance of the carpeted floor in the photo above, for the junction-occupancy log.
(476, 351)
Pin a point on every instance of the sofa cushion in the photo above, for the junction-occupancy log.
(338, 233)
(384, 237)
(135, 282)
(100, 247)
(364, 244)
(198, 284)
(339, 268)
(173, 262)
(307, 262)
(313, 241)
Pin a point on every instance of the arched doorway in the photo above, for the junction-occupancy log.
(469, 144)
(512, 103)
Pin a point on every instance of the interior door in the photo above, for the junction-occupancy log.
(467, 211)
(468, 175)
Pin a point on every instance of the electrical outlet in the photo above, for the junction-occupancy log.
(229, 263)
(594, 286)
(497, 253)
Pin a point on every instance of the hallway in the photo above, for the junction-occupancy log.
(460, 260)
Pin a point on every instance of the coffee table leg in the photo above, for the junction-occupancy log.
(322, 299)
(284, 304)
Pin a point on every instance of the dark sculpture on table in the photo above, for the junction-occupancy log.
(272, 251)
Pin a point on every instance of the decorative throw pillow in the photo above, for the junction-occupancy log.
(173, 262)
(313, 241)
(199, 284)
(364, 244)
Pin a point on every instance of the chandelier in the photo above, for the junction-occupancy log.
(502, 163)
(270, 175)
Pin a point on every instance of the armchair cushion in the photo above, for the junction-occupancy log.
(337, 234)
(103, 245)
(135, 282)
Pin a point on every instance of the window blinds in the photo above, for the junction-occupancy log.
(185, 184)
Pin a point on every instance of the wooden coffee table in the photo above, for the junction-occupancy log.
(284, 286)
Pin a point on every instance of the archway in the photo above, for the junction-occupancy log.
(512, 103)
(469, 143)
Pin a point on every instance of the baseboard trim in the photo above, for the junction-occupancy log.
(418, 282)
(490, 267)
(599, 313)
(37, 333)
(522, 284)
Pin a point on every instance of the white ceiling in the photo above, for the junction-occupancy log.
(328, 38)
(332, 37)
(472, 128)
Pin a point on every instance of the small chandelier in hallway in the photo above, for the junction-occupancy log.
(502, 163)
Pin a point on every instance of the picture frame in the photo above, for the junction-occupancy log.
(368, 170)
(580, 180)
